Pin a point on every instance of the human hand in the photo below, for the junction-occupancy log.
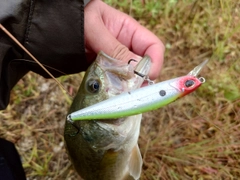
(119, 36)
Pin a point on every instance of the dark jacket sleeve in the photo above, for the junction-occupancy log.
(52, 30)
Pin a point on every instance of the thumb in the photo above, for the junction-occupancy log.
(100, 38)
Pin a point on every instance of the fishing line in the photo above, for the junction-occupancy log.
(35, 59)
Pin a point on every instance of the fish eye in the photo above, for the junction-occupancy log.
(93, 85)
(189, 83)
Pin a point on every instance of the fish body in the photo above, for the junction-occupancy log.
(105, 149)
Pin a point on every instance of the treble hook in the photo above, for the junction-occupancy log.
(132, 60)
(74, 125)
(145, 60)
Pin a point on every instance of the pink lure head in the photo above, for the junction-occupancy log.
(188, 84)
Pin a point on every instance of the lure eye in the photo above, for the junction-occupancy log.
(93, 85)
(189, 83)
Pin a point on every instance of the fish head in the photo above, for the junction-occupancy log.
(105, 78)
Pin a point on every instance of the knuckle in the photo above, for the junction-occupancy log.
(121, 52)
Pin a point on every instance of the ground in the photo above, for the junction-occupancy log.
(196, 137)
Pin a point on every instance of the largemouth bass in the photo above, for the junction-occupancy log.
(106, 149)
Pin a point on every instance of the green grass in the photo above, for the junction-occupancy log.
(197, 137)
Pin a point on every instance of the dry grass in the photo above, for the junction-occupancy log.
(197, 137)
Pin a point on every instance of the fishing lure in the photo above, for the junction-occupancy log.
(143, 99)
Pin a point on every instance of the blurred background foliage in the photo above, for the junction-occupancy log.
(196, 137)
